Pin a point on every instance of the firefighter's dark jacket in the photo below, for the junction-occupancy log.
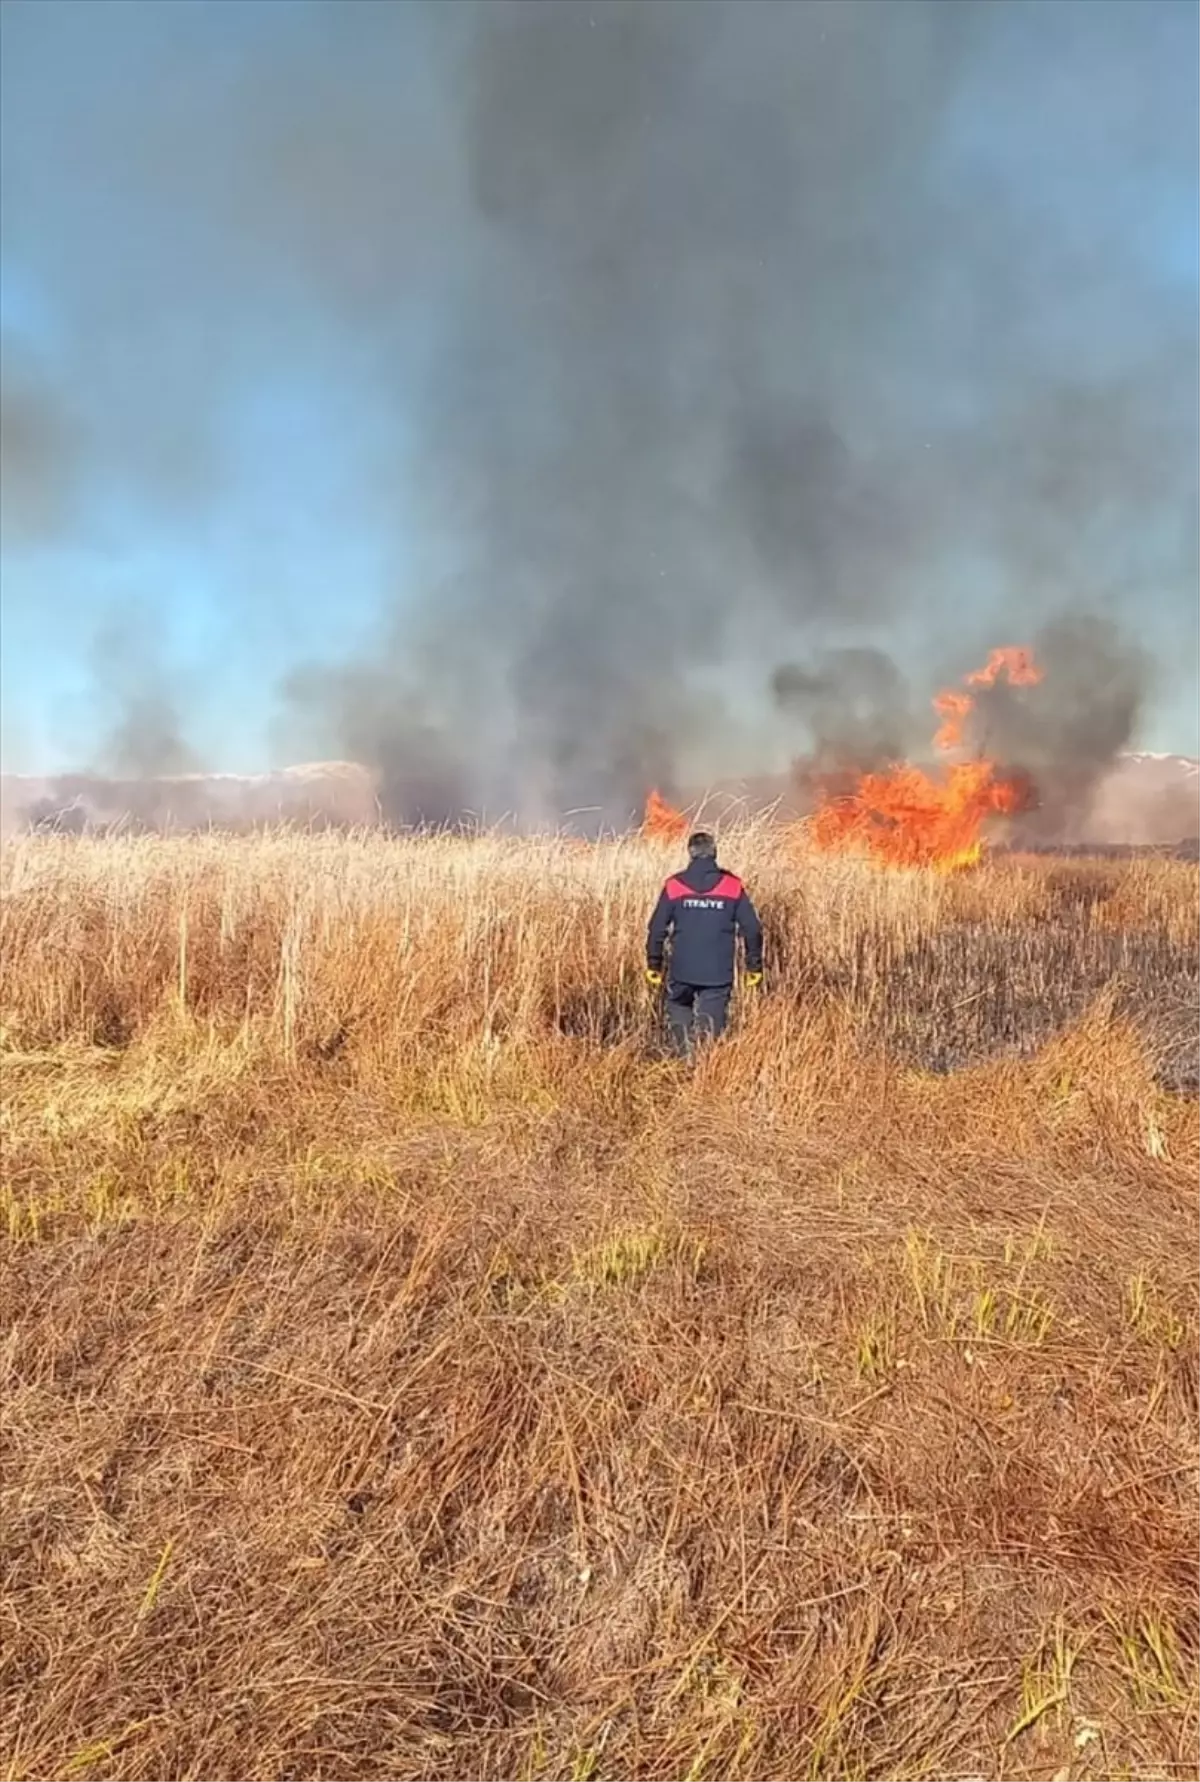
(701, 909)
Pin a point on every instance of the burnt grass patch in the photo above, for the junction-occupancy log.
(971, 991)
(975, 986)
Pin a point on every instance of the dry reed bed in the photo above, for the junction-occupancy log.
(410, 1374)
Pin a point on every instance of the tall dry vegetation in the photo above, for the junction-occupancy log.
(409, 1372)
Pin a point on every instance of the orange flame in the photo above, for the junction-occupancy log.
(1011, 663)
(907, 817)
(662, 822)
(1014, 663)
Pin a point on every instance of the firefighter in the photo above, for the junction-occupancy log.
(702, 909)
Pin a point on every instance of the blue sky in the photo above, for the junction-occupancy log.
(219, 503)
(243, 252)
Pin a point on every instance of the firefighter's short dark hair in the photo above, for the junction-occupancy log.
(702, 845)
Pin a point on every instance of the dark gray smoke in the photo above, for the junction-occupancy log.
(139, 704)
(855, 707)
(416, 766)
(1065, 732)
(39, 451)
(756, 359)
(648, 487)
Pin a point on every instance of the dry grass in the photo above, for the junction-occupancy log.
(408, 1372)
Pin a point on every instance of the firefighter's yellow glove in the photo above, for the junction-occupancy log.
(753, 980)
(654, 979)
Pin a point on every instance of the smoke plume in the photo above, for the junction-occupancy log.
(1062, 734)
(855, 706)
(38, 448)
(729, 363)
(139, 704)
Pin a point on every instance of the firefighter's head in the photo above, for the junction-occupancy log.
(702, 845)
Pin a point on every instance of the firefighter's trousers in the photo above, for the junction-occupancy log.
(696, 1012)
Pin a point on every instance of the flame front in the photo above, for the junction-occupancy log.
(908, 817)
(661, 821)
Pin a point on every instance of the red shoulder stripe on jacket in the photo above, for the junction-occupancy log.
(726, 886)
